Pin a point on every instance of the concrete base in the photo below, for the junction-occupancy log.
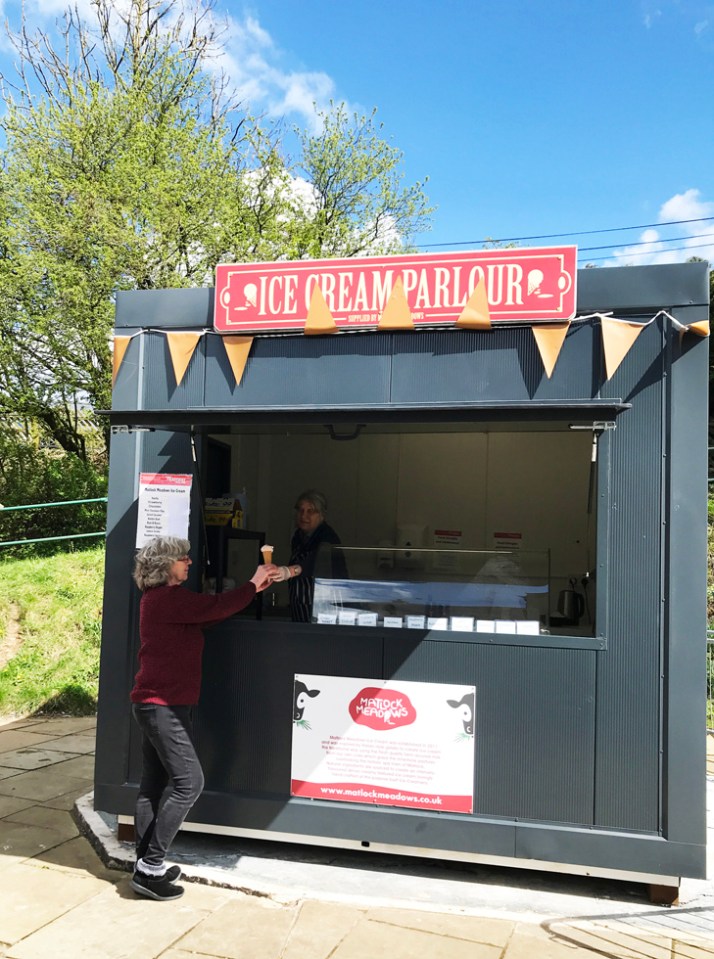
(287, 873)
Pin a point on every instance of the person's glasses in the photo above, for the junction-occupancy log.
(183, 559)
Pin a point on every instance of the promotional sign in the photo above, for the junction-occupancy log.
(536, 284)
(385, 742)
(164, 506)
(509, 541)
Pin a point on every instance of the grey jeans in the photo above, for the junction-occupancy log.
(169, 760)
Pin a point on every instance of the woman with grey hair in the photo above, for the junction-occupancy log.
(311, 532)
(167, 685)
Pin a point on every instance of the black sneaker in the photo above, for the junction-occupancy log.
(173, 873)
(155, 887)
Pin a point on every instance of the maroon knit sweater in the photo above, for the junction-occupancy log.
(170, 622)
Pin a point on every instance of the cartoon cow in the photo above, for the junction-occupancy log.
(300, 698)
(465, 707)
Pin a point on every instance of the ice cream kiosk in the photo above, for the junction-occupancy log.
(504, 659)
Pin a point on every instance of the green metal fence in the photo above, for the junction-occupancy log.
(48, 539)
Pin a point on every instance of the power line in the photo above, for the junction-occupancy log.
(554, 236)
(692, 236)
(671, 249)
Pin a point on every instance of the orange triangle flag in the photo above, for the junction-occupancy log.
(396, 314)
(475, 315)
(237, 349)
(319, 318)
(120, 345)
(617, 338)
(701, 328)
(549, 340)
(181, 347)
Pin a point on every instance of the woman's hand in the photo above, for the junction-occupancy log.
(264, 576)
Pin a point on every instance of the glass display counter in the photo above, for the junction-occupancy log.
(490, 591)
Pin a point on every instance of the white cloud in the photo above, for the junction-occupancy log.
(254, 65)
(677, 242)
(695, 15)
(686, 206)
(650, 13)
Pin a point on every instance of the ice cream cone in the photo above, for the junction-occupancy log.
(267, 552)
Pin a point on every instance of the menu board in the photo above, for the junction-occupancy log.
(164, 506)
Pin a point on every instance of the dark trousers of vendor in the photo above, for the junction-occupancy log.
(169, 759)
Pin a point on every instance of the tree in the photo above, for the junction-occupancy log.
(129, 164)
(115, 156)
(357, 204)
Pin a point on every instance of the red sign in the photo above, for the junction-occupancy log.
(523, 285)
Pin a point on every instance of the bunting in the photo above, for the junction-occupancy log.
(181, 348)
(618, 335)
(549, 340)
(120, 346)
(237, 348)
(617, 339)
(701, 328)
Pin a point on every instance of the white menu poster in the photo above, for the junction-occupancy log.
(164, 506)
(386, 742)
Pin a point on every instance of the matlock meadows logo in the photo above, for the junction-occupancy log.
(381, 708)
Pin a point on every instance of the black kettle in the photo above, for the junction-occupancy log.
(571, 604)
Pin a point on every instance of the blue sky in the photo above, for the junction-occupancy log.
(529, 117)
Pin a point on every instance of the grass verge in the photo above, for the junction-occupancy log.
(55, 605)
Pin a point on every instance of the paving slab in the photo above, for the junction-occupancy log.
(319, 928)
(33, 897)
(492, 932)
(117, 924)
(69, 799)
(65, 725)
(11, 739)
(602, 939)
(40, 784)
(182, 954)
(247, 926)
(682, 950)
(32, 757)
(77, 743)
(19, 841)
(531, 941)
(681, 923)
(372, 937)
(79, 767)
(7, 773)
(9, 805)
(76, 856)
(21, 722)
(58, 821)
